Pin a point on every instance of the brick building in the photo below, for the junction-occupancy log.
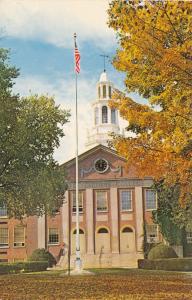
(114, 205)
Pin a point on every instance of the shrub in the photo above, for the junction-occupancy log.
(32, 266)
(162, 251)
(43, 255)
(35, 266)
(6, 268)
(169, 264)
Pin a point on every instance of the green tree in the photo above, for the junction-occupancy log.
(31, 181)
(168, 213)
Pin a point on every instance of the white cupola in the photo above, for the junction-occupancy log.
(105, 119)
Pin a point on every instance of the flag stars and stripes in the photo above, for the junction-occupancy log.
(77, 59)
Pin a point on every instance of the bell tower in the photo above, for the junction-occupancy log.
(104, 119)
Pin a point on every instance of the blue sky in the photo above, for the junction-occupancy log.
(39, 34)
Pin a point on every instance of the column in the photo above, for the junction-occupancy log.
(114, 220)
(65, 218)
(139, 218)
(41, 231)
(109, 114)
(89, 221)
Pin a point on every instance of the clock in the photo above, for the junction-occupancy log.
(101, 165)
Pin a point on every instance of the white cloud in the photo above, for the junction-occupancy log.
(64, 93)
(55, 21)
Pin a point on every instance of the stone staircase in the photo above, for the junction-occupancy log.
(106, 260)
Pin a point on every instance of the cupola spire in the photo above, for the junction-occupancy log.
(104, 57)
(105, 119)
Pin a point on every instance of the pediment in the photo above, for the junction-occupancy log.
(98, 163)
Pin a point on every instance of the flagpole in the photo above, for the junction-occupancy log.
(78, 257)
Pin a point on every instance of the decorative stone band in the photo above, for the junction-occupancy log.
(92, 169)
(86, 171)
(120, 183)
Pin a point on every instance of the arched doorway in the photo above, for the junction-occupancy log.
(82, 241)
(102, 241)
(127, 240)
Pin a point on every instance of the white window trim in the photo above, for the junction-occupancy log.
(150, 209)
(53, 244)
(18, 246)
(189, 238)
(155, 239)
(98, 210)
(127, 210)
(82, 196)
(5, 216)
(5, 246)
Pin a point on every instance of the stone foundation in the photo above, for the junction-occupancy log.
(114, 260)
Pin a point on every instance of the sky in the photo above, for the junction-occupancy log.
(39, 34)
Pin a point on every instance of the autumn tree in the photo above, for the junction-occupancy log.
(155, 54)
(31, 182)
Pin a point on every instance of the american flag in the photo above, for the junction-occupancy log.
(77, 59)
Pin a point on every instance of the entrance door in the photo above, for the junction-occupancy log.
(82, 242)
(127, 240)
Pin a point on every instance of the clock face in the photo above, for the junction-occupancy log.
(101, 165)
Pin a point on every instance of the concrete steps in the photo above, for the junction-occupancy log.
(107, 260)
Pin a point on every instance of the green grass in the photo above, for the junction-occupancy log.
(114, 271)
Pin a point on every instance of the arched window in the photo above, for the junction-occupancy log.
(80, 231)
(113, 116)
(109, 91)
(104, 114)
(127, 229)
(104, 91)
(99, 92)
(96, 115)
(103, 230)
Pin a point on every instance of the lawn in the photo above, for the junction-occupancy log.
(105, 284)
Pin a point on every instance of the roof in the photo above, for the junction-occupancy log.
(91, 151)
(103, 77)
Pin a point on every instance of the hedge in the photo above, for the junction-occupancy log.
(31, 266)
(167, 264)
(43, 255)
(161, 251)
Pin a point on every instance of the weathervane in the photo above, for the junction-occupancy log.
(104, 57)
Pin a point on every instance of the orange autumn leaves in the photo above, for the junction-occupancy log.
(108, 284)
(155, 53)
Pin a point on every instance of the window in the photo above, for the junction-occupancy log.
(151, 233)
(4, 260)
(18, 259)
(103, 230)
(4, 236)
(189, 237)
(96, 115)
(109, 91)
(99, 92)
(127, 229)
(126, 200)
(3, 211)
(53, 236)
(101, 198)
(80, 231)
(113, 116)
(150, 199)
(80, 201)
(104, 91)
(19, 236)
(104, 114)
